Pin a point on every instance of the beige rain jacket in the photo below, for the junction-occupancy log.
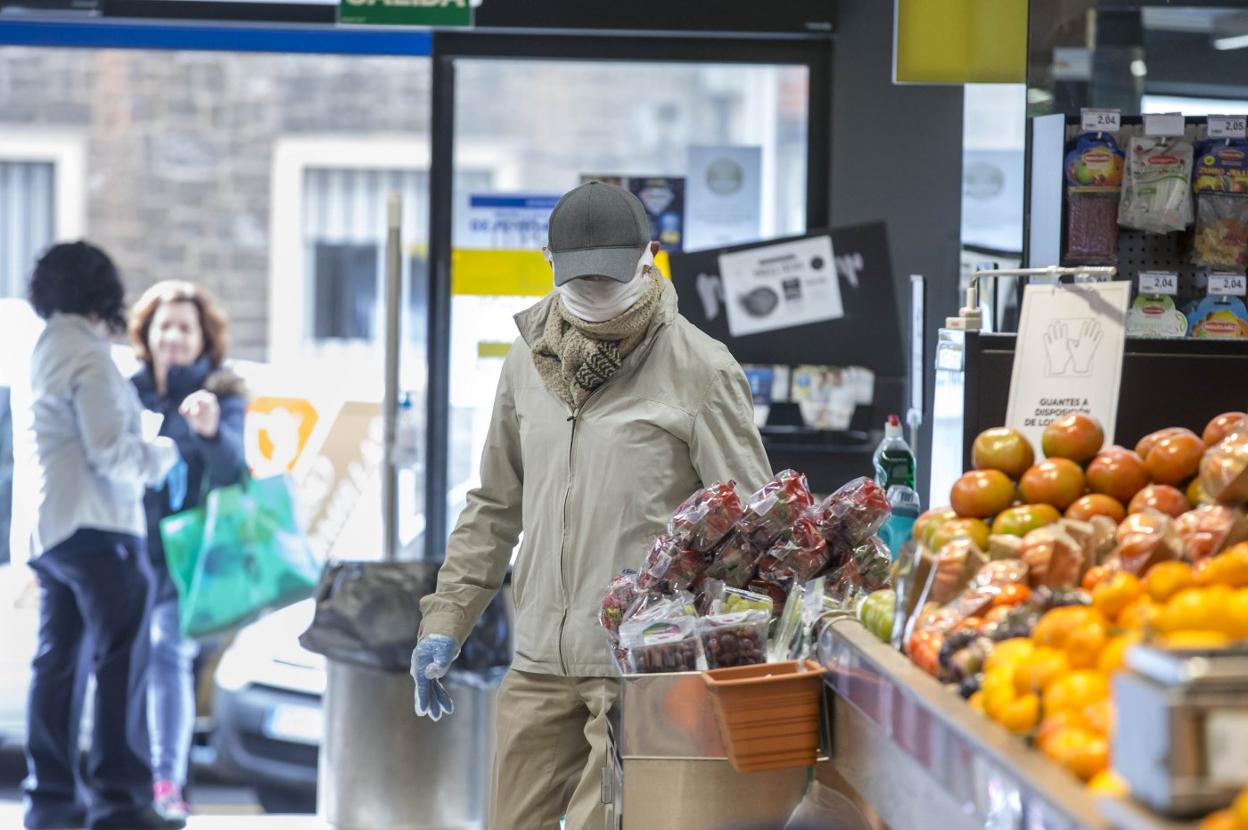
(590, 489)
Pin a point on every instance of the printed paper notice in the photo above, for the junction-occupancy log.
(1069, 356)
(780, 286)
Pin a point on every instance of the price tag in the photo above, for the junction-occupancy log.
(1159, 282)
(1171, 123)
(1226, 739)
(1228, 126)
(1228, 285)
(1101, 121)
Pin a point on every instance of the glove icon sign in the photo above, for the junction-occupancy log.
(1070, 347)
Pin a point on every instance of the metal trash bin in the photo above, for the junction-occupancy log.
(384, 768)
(381, 767)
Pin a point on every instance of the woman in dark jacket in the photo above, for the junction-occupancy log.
(179, 333)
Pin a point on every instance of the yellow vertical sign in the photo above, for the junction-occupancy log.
(960, 41)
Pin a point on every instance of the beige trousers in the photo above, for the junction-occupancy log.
(550, 753)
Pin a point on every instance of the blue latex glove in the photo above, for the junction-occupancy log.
(175, 484)
(431, 660)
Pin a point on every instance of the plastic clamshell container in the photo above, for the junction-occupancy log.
(768, 714)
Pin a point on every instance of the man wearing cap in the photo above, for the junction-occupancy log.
(610, 411)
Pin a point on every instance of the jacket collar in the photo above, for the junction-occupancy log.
(182, 380)
(532, 320)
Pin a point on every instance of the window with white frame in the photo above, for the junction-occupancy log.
(42, 199)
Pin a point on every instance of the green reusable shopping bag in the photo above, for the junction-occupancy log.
(252, 556)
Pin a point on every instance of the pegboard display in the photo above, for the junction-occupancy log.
(1143, 251)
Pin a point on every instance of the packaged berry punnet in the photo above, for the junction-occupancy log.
(669, 562)
(666, 644)
(856, 511)
(736, 560)
(705, 518)
(800, 553)
(773, 508)
(738, 639)
(620, 596)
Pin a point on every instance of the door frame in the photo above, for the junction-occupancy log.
(812, 51)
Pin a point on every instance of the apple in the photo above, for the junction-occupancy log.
(1117, 472)
(1055, 481)
(973, 529)
(1175, 458)
(1149, 441)
(1002, 449)
(1096, 504)
(1076, 436)
(980, 494)
(929, 520)
(1223, 425)
(1021, 520)
(1162, 498)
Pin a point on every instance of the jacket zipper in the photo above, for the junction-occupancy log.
(567, 493)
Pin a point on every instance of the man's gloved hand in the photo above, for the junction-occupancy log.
(430, 662)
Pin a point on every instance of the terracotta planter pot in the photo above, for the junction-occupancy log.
(768, 714)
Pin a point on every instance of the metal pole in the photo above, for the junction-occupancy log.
(390, 402)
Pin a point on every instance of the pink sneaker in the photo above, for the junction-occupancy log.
(167, 801)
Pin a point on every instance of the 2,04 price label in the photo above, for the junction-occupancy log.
(1228, 126)
(1159, 282)
(1101, 121)
(1228, 285)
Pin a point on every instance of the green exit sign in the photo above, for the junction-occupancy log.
(406, 12)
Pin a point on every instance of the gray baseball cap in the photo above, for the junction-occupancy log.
(597, 230)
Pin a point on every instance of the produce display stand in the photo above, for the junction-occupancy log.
(922, 758)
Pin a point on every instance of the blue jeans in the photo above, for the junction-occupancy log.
(94, 591)
(170, 693)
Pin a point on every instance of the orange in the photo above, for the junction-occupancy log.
(976, 702)
(1230, 567)
(1011, 595)
(1116, 593)
(1055, 626)
(1165, 579)
(1054, 724)
(1195, 609)
(1095, 576)
(1075, 691)
(1021, 715)
(1100, 717)
(1080, 751)
(1237, 618)
(1115, 652)
(1240, 809)
(1036, 672)
(1108, 782)
(998, 689)
(1008, 653)
(1139, 615)
(1085, 644)
(1221, 820)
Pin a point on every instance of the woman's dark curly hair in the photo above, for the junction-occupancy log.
(78, 278)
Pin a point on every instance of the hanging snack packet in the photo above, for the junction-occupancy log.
(669, 566)
(736, 560)
(855, 512)
(800, 553)
(1219, 317)
(705, 518)
(1156, 194)
(1093, 185)
(1221, 186)
(773, 508)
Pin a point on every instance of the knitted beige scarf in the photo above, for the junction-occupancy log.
(575, 357)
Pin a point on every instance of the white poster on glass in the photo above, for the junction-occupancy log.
(779, 286)
(723, 197)
(1069, 355)
(504, 221)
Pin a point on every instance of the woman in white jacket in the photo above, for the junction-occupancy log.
(88, 552)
